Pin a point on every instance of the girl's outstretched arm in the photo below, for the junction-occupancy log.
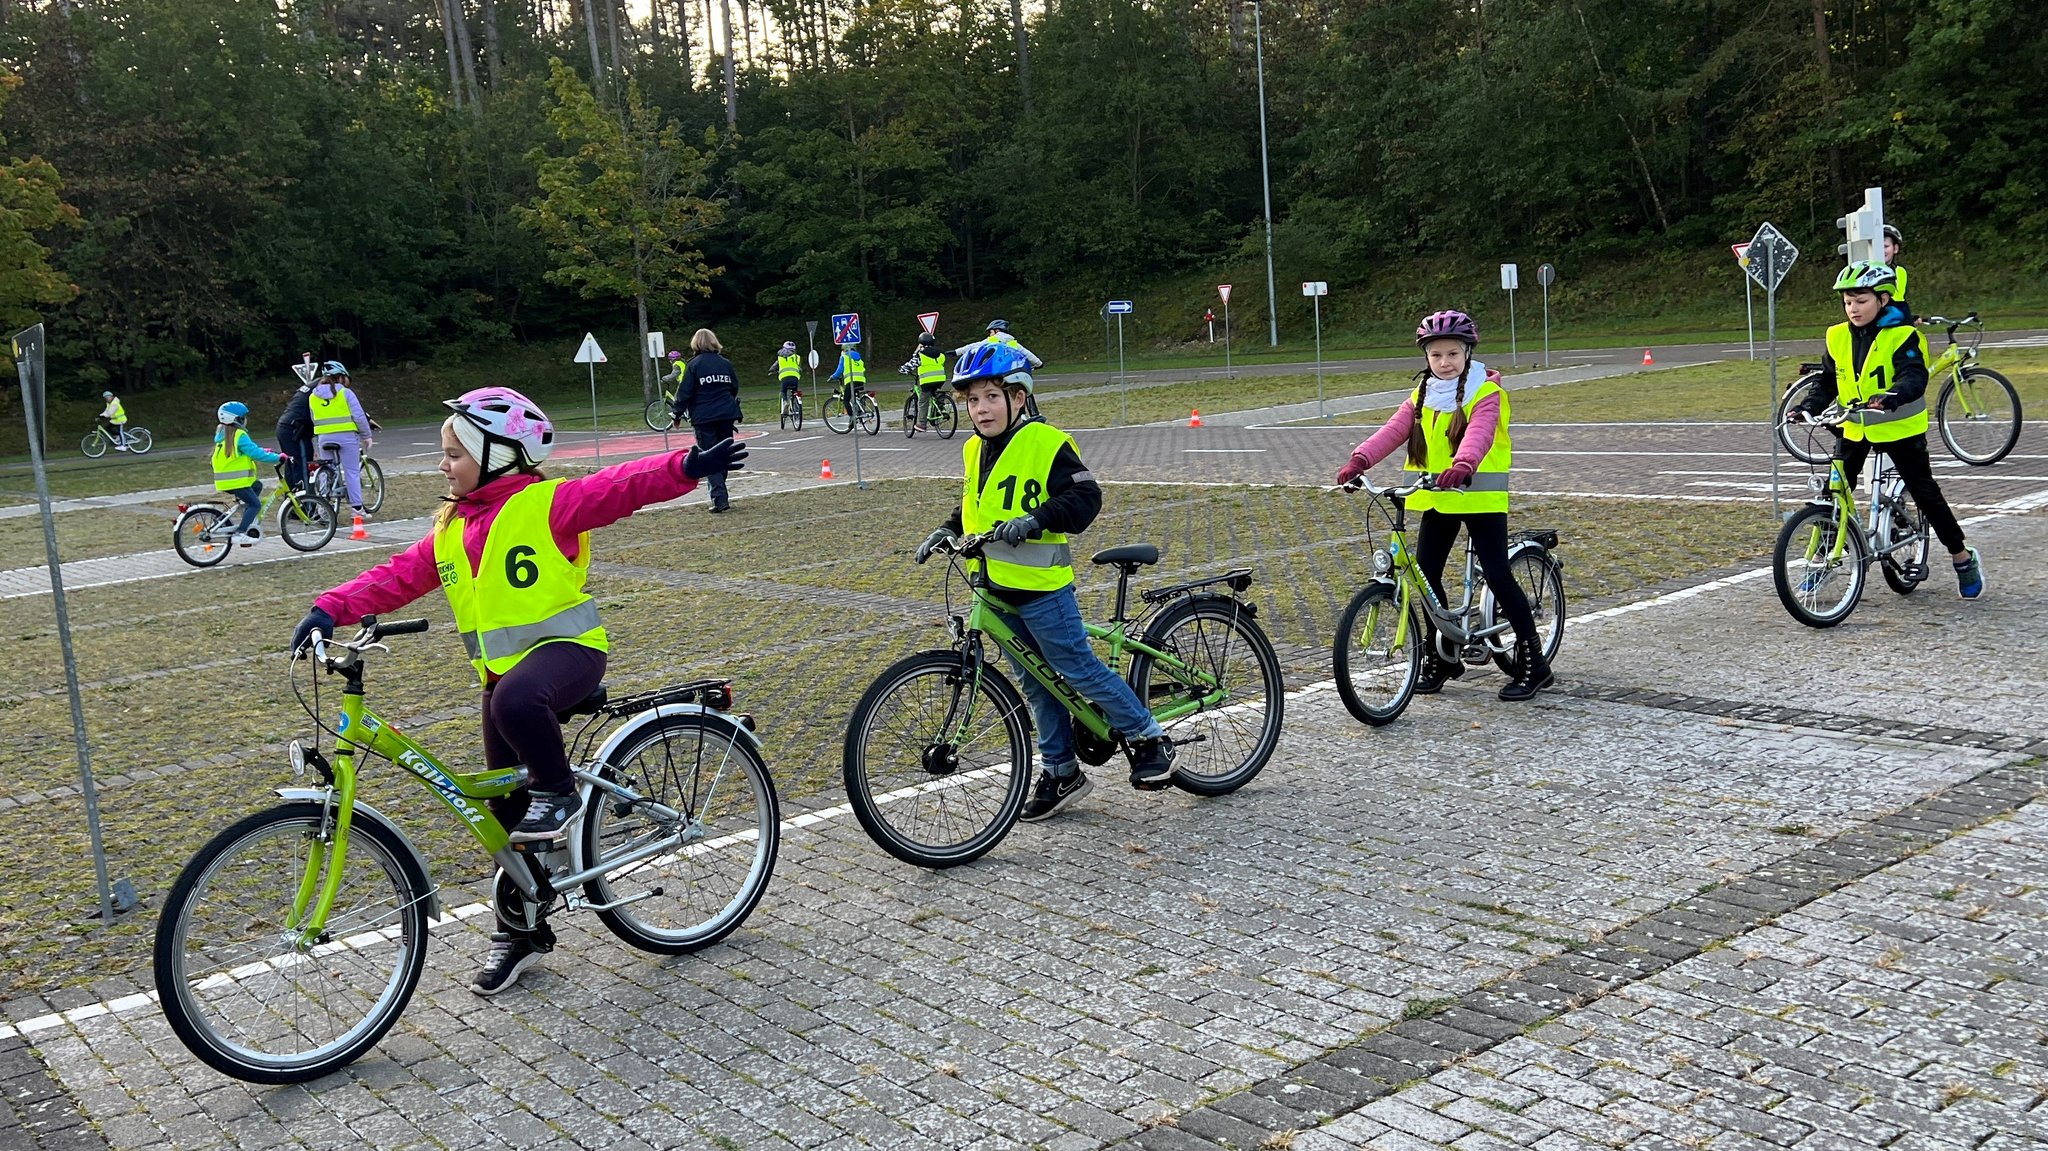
(608, 496)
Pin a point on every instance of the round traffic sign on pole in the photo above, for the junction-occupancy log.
(1546, 275)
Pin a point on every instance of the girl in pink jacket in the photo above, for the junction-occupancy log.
(1455, 427)
(511, 548)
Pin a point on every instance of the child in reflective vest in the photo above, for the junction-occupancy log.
(1026, 489)
(235, 456)
(339, 422)
(1455, 428)
(511, 548)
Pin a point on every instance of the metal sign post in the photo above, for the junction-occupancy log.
(1546, 276)
(1224, 291)
(28, 364)
(1120, 309)
(657, 347)
(1769, 257)
(1315, 290)
(846, 330)
(593, 355)
(1748, 296)
(811, 340)
(1511, 279)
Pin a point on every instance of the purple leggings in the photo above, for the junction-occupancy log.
(519, 718)
(351, 465)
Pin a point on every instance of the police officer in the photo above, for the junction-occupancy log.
(708, 395)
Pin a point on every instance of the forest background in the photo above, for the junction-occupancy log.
(195, 191)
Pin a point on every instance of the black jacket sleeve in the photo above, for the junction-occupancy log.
(1909, 373)
(1074, 498)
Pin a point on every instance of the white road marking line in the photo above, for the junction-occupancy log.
(798, 440)
(1219, 451)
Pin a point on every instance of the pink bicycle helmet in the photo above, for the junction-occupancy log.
(1446, 326)
(506, 417)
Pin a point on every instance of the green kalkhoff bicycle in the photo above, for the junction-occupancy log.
(939, 749)
(292, 942)
(1976, 411)
(1823, 552)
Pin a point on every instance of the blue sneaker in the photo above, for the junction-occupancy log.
(1813, 580)
(1970, 575)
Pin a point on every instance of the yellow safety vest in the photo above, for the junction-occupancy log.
(788, 367)
(525, 593)
(119, 415)
(852, 368)
(1899, 289)
(231, 469)
(331, 415)
(1852, 387)
(1488, 491)
(1017, 484)
(930, 370)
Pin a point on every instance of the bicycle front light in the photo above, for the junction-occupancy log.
(1382, 563)
(297, 751)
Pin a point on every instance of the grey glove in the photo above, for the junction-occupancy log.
(1015, 531)
(931, 543)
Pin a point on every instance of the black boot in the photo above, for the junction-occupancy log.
(1435, 671)
(1535, 674)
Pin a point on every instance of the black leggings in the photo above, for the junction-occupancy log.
(1909, 459)
(1489, 532)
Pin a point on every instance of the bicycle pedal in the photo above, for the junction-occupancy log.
(540, 847)
(1916, 572)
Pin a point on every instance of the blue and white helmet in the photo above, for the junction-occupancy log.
(233, 412)
(333, 368)
(990, 360)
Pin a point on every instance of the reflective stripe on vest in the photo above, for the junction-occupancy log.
(119, 415)
(525, 593)
(930, 370)
(331, 416)
(853, 368)
(232, 469)
(1488, 491)
(1017, 484)
(1853, 387)
(788, 367)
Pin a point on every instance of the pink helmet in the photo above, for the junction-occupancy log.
(509, 418)
(1446, 326)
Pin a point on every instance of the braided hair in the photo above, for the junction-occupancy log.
(1418, 447)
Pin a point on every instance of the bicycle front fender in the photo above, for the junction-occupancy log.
(365, 811)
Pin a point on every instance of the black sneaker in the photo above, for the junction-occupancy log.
(1054, 795)
(1152, 763)
(547, 815)
(510, 955)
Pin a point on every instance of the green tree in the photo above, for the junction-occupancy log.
(29, 203)
(621, 212)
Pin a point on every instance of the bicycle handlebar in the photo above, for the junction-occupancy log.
(1952, 325)
(1423, 483)
(367, 635)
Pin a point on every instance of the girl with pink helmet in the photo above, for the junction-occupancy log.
(1455, 429)
(511, 547)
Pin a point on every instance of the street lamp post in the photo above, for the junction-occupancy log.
(1265, 177)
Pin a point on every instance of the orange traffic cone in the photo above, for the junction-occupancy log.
(358, 532)
(825, 472)
(1195, 421)
(1646, 357)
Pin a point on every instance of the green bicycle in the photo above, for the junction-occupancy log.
(941, 413)
(135, 438)
(204, 534)
(292, 942)
(1823, 552)
(939, 750)
(1976, 412)
(661, 412)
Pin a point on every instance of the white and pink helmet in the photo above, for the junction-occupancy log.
(506, 417)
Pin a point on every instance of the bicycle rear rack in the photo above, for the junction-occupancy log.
(715, 694)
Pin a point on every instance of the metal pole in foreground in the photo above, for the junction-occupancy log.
(1546, 321)
(1320, 412)
(1749, 308)
(1123, 391)
(1228, 374)
(1265, 177)
(596, 434)
(1771, 309)
(1514, 347)
(34, 406)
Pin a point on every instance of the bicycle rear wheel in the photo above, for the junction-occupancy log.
(1819, 587)
(1979, 416)
(1905, 567)
(871, 414)
(1542, 584)
(836, 416)
(241, 986)
(1219, 743)
(1808, 443)
(721, 853)
(306, 521)
(1376, 676)
(949, 422)
(936, 765)
(139, 440)
(372, 485)
(201, 536)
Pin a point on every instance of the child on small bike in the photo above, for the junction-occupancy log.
(928, 363)
(1025, 486)
(1878, 362)
(511, 548)
(339, 422)
(113, 421)
(1455, 427)
(789, 372)
(235, 456)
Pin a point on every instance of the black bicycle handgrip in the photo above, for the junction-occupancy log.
(402, 627)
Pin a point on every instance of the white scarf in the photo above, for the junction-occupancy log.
(1442, 395)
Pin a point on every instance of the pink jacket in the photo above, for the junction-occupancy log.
(581, 503)
(1393, 435)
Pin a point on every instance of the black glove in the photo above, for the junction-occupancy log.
(723, 456)
(931, 543)
(1015, 531)
(1884, 401)
(316, 620)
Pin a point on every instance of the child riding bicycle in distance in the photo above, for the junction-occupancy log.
(339, 423)
(1026, 487)
(113, 420)
(789, 372)
(1878, 362)
(235, 456)
(1455, 428)
(511, 548)
(852, 370)
(929, 365)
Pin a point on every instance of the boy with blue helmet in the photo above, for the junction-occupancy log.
(1025, 488)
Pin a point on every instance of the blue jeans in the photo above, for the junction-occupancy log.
(252, 502)
(1051, 625)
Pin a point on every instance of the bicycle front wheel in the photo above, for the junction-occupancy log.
(306, 521)
(910, 416)
(871, 415)
(657, 415)
(201, 536)
(1542, 584)
(1979, 416)
(253, 995)
(372, 485)
(946, 417)
(1376, 672)
(140, 441)
(1223, 708)
(722, 838)
(1818, 568)
(1808, 443)
(937, 762)
(94, 445)
(836, 416)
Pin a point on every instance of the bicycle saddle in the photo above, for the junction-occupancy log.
(587, 706)
(1131, 555)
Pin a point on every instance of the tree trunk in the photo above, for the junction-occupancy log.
(454, 53)
(590, 34)
(1824, 58)
(463, 45)
(747, 27)
(732, 111)
(1023, 53)
(612, 15)
(646, 365)
(494, 56)
(683, 39)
